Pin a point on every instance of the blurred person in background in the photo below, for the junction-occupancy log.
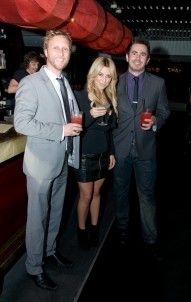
(30, 64)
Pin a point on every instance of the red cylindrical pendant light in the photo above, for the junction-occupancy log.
(9, 13)
(121, 49)
(44, 14)
(111, 37)
(87, 21)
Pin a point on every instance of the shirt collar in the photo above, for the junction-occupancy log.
(131, 76)
(50, 74)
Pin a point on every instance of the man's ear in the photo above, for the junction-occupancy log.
(148, 60)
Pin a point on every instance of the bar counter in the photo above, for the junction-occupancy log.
(13, 197)
(11, 144)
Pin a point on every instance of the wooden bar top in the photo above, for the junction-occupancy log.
(11, 143)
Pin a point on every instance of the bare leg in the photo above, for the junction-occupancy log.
(89, 201)
(95, 202)
(86, 193)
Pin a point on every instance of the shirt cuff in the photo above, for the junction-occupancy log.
(62, 134)
(154, 128)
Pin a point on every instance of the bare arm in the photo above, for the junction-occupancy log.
(13, 86)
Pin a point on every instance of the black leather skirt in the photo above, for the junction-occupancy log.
(92, 167)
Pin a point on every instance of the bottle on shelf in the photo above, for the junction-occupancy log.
(2, 60)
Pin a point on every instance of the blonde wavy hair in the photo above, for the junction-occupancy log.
(94, 94)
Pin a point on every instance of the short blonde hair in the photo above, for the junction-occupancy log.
(93, 93)
(56, 32)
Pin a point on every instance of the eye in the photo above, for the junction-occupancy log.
(66, 49)
(56, 48)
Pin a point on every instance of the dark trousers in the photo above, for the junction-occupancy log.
(145, 176)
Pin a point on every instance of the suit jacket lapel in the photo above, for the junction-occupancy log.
(50, 87)
(144, 95)
(124, 93)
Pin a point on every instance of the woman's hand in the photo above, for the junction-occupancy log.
(98, 111)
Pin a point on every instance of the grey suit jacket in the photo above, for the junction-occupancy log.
(39, 116)
(155, 96)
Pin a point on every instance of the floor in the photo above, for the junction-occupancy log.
(121, 274)
(112, 273)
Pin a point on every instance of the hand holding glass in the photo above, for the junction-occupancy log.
(103, 122)
(76, 117)
(146, 114)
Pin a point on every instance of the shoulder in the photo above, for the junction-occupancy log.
(33, 79)
(123, 76)
(122, 80)
(19, 71)
(19, 74)
(38, 76)
(82, 98)
(80, 94)
(153, 77)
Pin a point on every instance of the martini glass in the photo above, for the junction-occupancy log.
(103, 122)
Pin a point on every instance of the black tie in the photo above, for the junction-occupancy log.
(67, 111)
(135, 93)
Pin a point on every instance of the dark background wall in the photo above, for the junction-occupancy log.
(176, 71)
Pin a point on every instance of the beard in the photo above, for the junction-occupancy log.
(53, 63)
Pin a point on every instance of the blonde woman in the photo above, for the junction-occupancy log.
(97, 101)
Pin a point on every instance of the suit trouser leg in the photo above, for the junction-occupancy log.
(40, 219)
(122, 179)
(145, 174)
(57, 203)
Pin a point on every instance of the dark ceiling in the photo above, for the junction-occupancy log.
(168, 20)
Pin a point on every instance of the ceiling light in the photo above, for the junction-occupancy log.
(118, 11)
(2, 34)
(113, 5)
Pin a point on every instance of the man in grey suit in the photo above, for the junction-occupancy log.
(40, 114)
(135, 143)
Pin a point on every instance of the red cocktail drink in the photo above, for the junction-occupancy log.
(145, 115)
(76, 118)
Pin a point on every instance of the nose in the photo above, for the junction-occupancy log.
(138, 56)
(104, 79)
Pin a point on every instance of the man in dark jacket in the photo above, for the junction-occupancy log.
(135, 143)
